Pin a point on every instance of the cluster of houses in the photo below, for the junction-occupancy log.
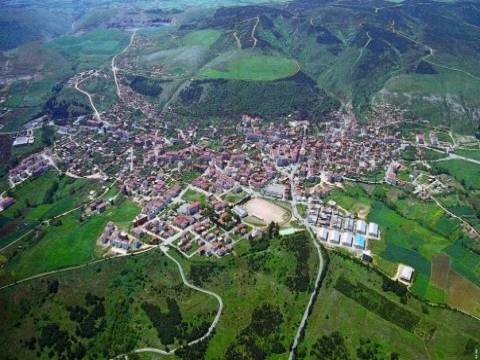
(119, 241)
(6, 202)
(32, 166)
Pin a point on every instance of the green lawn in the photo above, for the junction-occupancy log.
(252, 67)
(192, 195)
(472, 154)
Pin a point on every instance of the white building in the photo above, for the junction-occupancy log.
(240, 211)
(406, 273)
(361, 227)
(347, 238)
(334, 237)
(323, 234)
(373, 230)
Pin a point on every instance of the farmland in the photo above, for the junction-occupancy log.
(430, 331)
(414, 233)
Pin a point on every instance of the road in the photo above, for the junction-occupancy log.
(311, 301)
(208, 292)
(115, 68)
(97, 114)
(76, 267)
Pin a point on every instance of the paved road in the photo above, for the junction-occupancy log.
(311, 301)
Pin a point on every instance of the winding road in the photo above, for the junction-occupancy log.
(97, 114)
(208, 292)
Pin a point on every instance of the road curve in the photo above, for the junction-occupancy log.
(212, 326)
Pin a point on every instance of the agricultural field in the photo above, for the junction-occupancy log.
(413, 233)
(91, 50)
(388, 316)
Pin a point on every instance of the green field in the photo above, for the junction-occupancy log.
(467, 173)
(413, 232)
(246, 281)
(352, 298)
(67, 243)
(201, 37)
(192, 195)
(472, 154)
(41, 199)
(252, 67)
(91, 49)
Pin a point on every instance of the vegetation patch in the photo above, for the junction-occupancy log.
(378, 304)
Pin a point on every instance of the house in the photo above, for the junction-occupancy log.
(193, 208)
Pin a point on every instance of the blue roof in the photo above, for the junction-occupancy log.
(360, 241)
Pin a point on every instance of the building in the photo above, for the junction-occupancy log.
(240, 211)
(6, 202)
(361, 227)
(349, 224)
(347, 238)
(334, 237)
(359, 242)
(373, 230)
(406, 273)
(323, 234)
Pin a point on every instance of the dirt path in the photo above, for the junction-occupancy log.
(87, 94)
(431, 52)
(237, 40)
(362, 50)
(115, 68)
(255, 40)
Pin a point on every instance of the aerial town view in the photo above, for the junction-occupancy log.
(254, 179)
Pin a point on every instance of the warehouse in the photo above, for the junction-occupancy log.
(373, 230)
(334, 237)
(361, 227)
(347, 239)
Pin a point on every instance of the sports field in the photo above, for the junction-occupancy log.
(267, 211)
